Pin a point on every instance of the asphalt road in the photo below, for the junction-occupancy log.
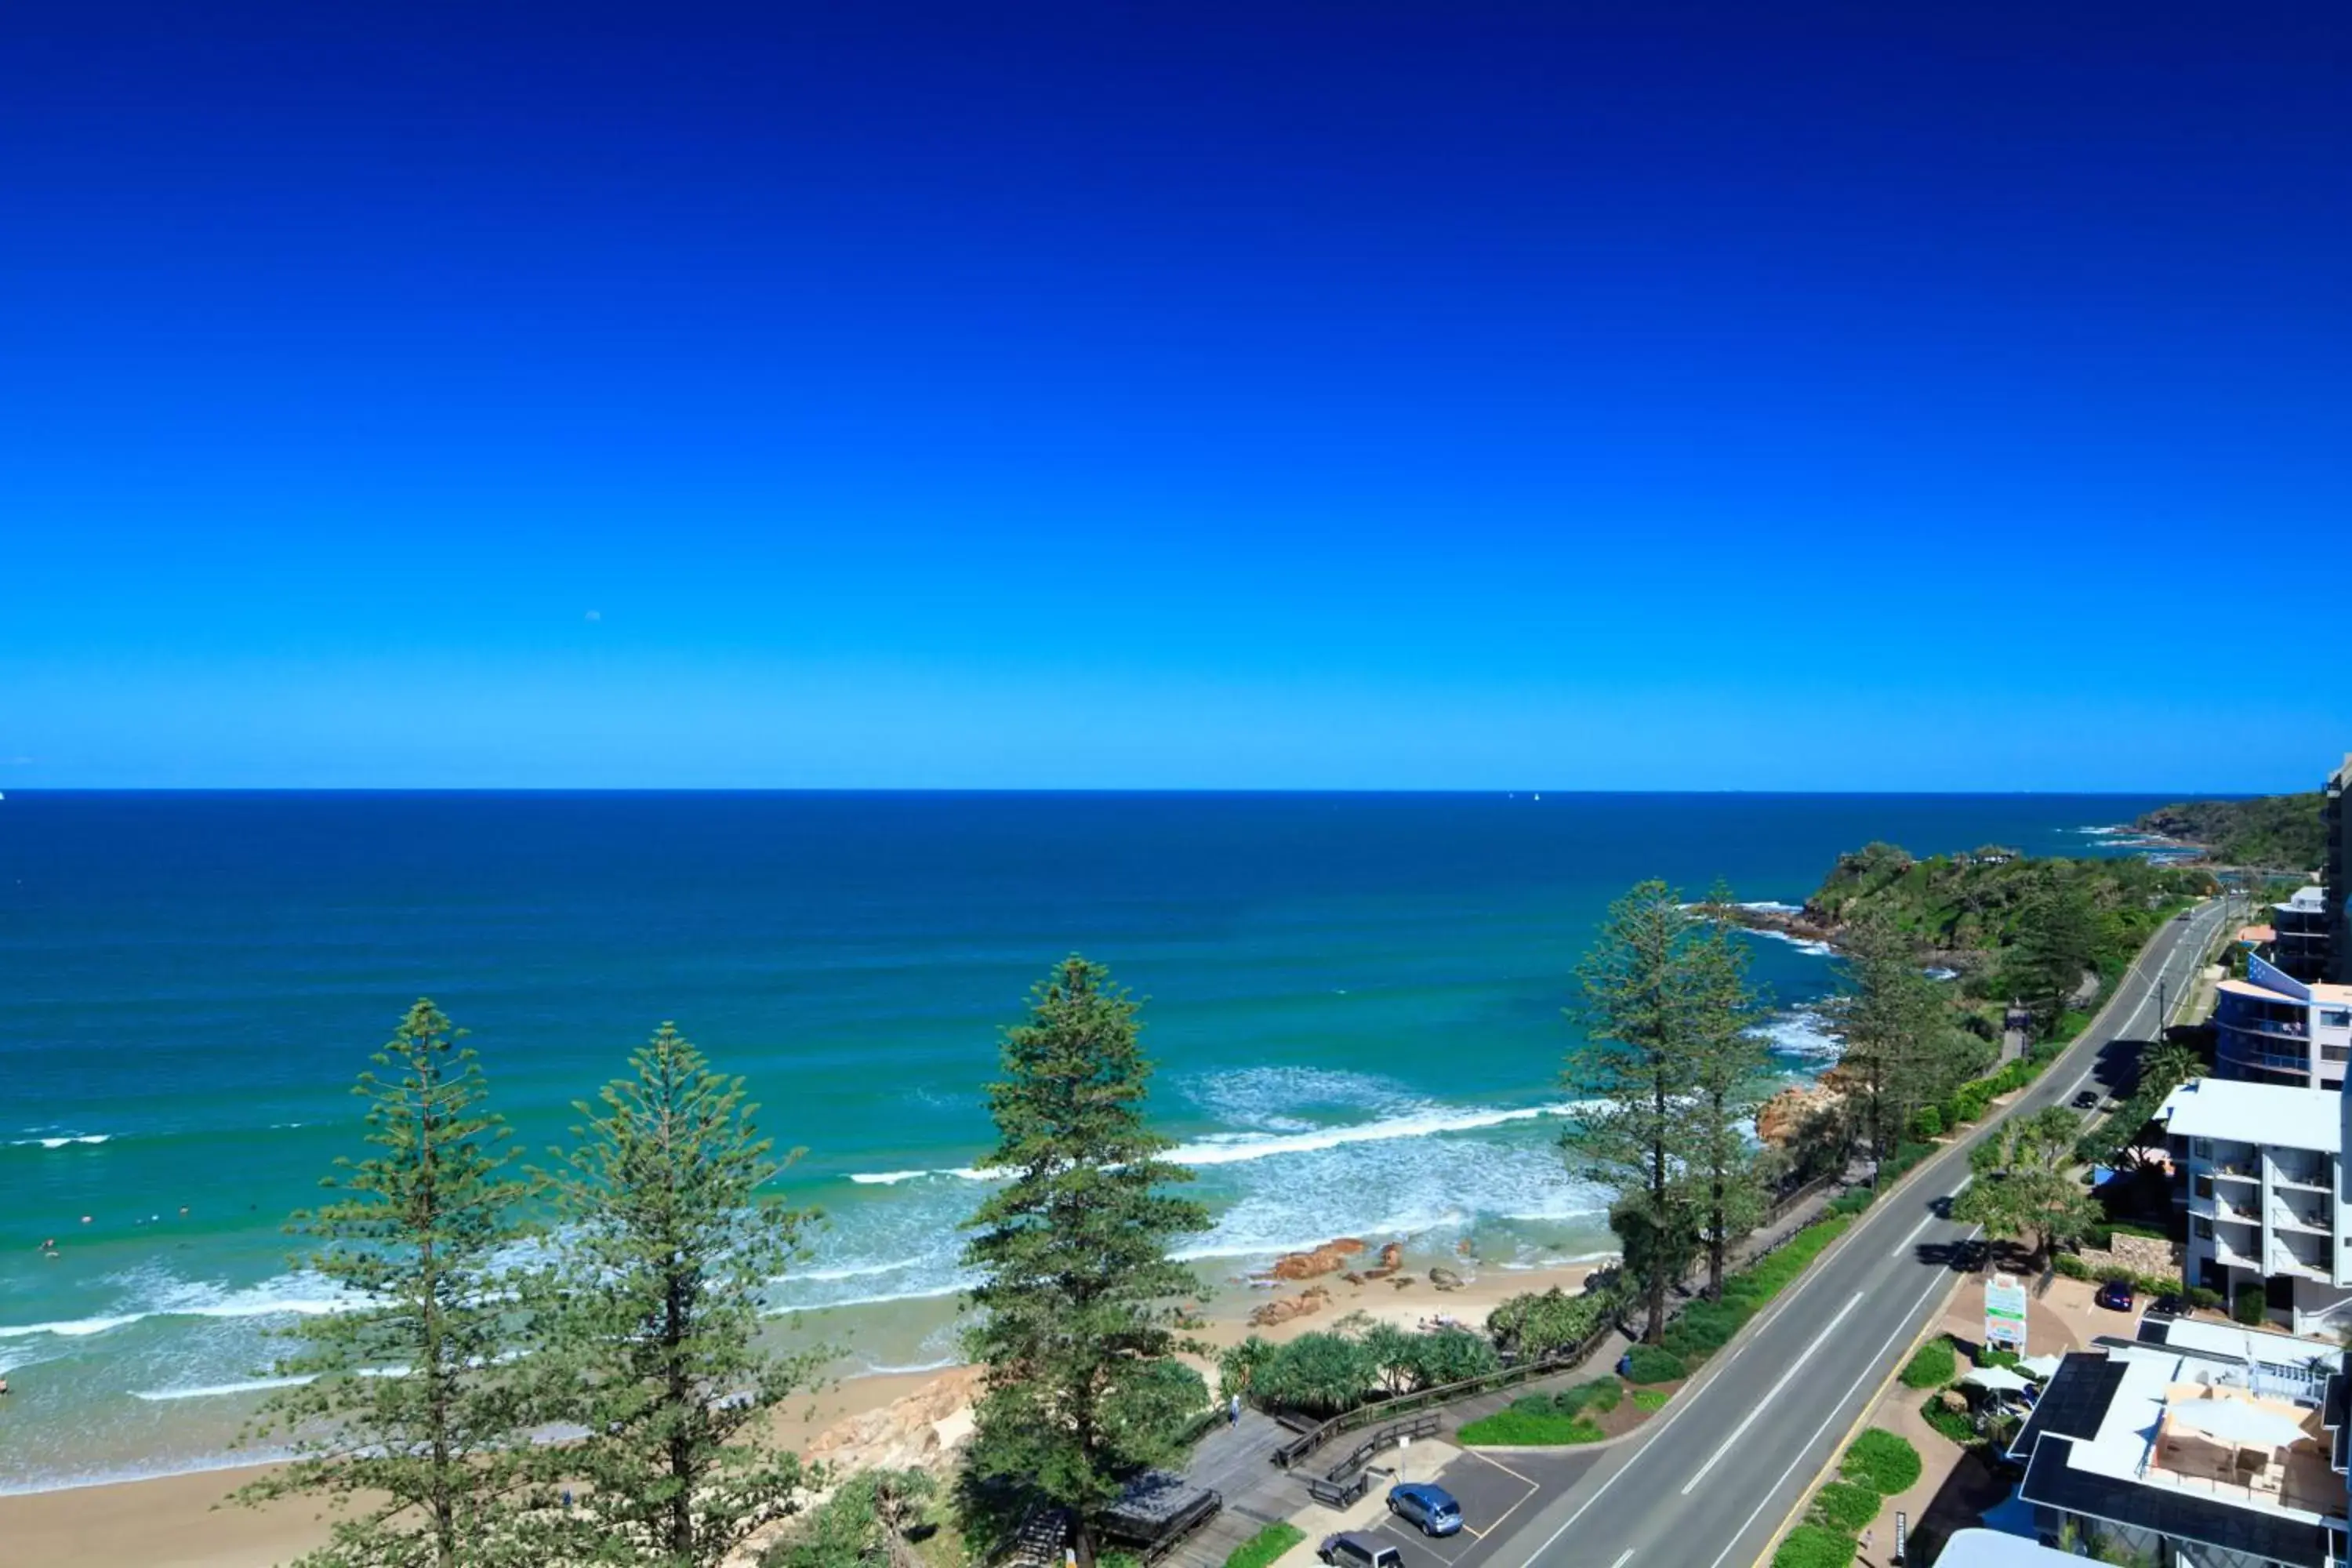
(1709, 1484)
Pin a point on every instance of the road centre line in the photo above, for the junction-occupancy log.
(1623, 1558)
(1901, 1329)
(1774, 1392)
(1924, 1221)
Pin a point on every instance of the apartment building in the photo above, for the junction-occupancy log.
(2338, 874)
(2259, 1170)
(2270, 1027)
(2194, 1446)
(2300, 944)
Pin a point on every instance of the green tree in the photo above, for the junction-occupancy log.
(1729, 1061)
(1644, 997)
(2166, 1065)
(649, 1322)
(1078, 1300)
(2058, 939)
(867, 1524)
(2025, 1188)
(410, 1414)
(1900, 1051)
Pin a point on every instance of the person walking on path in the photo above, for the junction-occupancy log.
(1234, 1411)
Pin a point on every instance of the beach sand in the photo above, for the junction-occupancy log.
(173, 1522)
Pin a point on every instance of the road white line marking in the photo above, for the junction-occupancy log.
(1853, 1388)
(1500, 1465)
(1924, 1221)
(1623, 1558)
(1674, 1414)
(1764, 1404)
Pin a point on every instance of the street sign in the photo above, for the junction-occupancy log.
(2005, 1313)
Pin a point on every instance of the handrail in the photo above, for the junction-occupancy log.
(1298, 1448)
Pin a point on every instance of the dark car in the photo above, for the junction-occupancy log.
(1432, 1509)
(1358, 1551)
(2167, 1307)
(2115, 1294)
(2087, 1100)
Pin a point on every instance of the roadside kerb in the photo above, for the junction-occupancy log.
(1862, 1417)
(1731, 1347)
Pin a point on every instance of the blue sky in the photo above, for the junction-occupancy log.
(1348, 395)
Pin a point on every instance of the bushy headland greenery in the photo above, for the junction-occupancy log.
(2275, 832)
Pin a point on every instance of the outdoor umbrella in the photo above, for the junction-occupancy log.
(2236, 1422)
(1996, 1379)
(2040, 1368)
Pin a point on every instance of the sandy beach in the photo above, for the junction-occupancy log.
(174, 1522)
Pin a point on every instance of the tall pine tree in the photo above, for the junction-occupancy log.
(1896, 1027)
(1641, 1010)
(648, 1326)
(1729, 1064)
(409, 1422)
(1078, 1300)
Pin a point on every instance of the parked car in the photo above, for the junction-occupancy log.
(1432, 1508)
(2087, 1100)
(1358, 1551)
(2115, 1295)
(2167, 1307)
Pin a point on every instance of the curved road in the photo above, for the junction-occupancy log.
(1710, 1483)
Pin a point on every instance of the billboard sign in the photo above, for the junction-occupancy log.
(2005, 1313)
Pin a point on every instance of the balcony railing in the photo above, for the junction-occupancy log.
(2300, 1175)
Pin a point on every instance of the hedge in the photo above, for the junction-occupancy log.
(1815, 1546)
(1654, 1363)
(1519, 1428)
(1882, 1461)
(1932, 1365)
(1841, 1505)
(2250, 1307)
(1267, 1545)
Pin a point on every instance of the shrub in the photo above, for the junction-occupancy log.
(1996, 1357)
(1654, 1363)
(1599, 1396)
(1841, 1505)
(1541, 1323)
(1850, 1203)
(2206, 1300)
(1815, 1546)
(1651, 1399)
(2250, 1308)
(1267, 1545)
(2071, 1267)
(1519, 1428)
(1927, 1122)
(1952, 1424)
(1882, 1461)
(1316, 1374)
(1932, 1365)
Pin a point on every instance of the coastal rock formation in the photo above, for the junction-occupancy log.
(1445, 1278)
(1307, 1303)
(915, 1431)
(1329, 1258)
(1779, 1119)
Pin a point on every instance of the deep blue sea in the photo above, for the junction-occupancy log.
(1355, 1002)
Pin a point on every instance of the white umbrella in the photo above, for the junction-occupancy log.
(2040, 1368)
(1996, 1379)
(2236, 1421)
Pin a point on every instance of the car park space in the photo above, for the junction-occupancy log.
(1490, 1491)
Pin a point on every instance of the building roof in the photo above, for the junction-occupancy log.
(1992, 1549)
(2321, 991)
(2052, 1479)
(2256, 935)
(2075, 1402)
(2268, 1114)
(2234, 1342)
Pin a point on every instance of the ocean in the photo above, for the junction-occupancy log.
(1355, 1002)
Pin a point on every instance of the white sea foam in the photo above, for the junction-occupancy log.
(1233, 1148)
(1940, 972)
(1771, 906)
(60, 1140)
(152, 1293)
(69, 1327)
(1802, 944)
(1804, 1033)
(217, 1390)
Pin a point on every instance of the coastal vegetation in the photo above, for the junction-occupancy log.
(642, 1334)
(1904, 1050)
(427, 1466)
(1078, 1326)
(1672, 1071)
(2025, 1189)
(2282, 832)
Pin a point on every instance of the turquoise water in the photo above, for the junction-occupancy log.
(1355, 1002)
